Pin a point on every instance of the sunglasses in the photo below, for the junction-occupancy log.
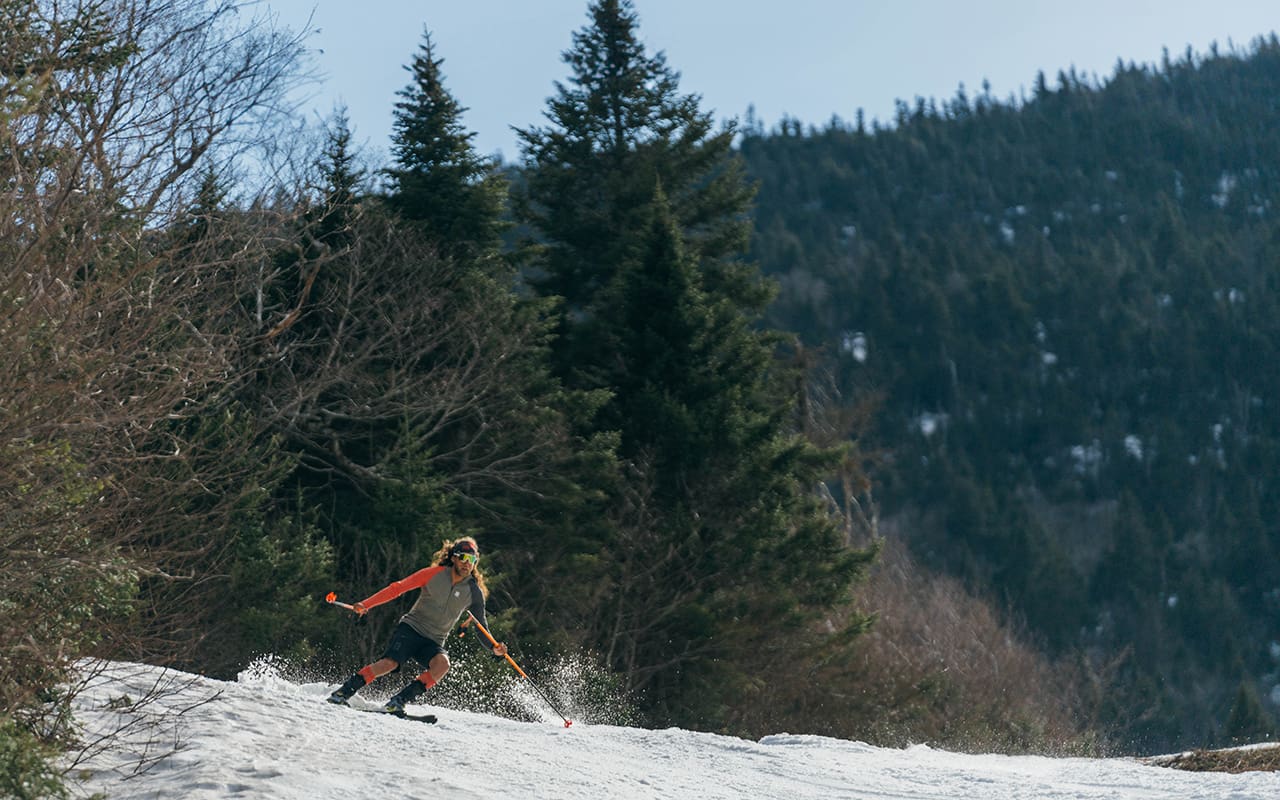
(469, 558)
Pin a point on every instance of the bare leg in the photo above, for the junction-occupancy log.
(438, 667)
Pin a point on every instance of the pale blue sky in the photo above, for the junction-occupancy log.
(807, 59)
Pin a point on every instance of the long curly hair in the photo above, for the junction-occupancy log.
(444, 558)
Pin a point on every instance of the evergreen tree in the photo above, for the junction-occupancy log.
(311, 266)
(210, 200)
(620, 127)
(1248, 722)
(438, 179)
(715, 527)
(341, 177)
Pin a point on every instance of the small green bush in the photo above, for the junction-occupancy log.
(27, 770)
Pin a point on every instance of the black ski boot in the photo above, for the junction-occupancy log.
(344, 692)
(404, 697)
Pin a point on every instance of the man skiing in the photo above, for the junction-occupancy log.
(449, 589)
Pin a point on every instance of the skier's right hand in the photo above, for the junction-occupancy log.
(360, 609)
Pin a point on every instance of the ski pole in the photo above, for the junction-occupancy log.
(332, 599)
(512, 662)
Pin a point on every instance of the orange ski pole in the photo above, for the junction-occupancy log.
(516, 667)
(332, 599)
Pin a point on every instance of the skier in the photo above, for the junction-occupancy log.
(449, 589)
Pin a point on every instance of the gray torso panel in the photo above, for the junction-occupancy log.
(440, 604)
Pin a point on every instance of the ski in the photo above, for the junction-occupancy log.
(427, 718)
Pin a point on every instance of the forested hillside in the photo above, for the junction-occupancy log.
(1068, 308)
(990, 463)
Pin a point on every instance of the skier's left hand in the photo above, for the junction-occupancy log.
(499, 649)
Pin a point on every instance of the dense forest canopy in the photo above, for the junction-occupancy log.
(1070, 306)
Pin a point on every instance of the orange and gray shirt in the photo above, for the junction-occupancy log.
(441, 604)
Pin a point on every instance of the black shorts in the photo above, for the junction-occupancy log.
(407, 643)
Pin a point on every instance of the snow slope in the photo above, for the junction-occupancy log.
(265, 737)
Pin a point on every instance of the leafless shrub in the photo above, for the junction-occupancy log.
(939, 665)
(829, 419)
(109, 386)
(395, 347)
(139, 715)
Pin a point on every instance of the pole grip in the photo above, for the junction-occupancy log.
(332, 599)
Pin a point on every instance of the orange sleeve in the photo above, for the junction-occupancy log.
(415, 581)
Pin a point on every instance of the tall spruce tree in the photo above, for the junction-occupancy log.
(619, 127)
(643, 210)
(438, 179)
(341, 179)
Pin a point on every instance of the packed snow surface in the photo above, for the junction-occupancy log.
(185, 736)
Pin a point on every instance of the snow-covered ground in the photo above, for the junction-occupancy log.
(265, 737)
